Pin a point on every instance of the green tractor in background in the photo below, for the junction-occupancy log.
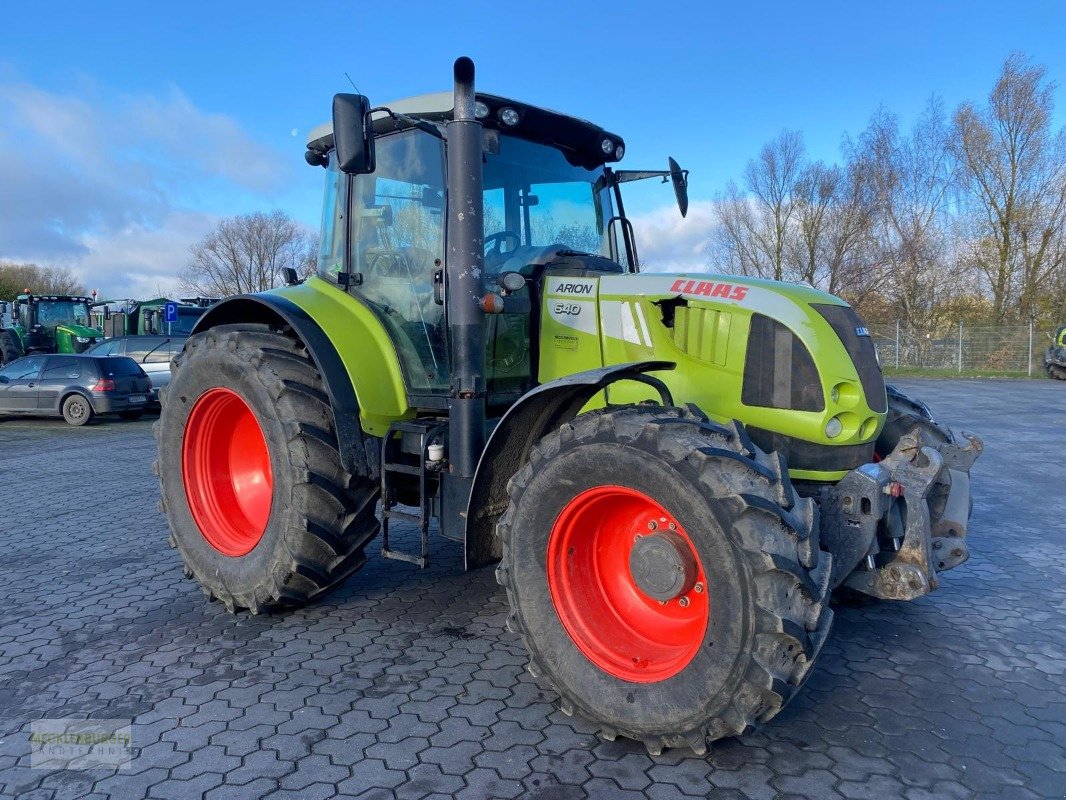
(671, 472)
(46, 323)
(1055, 356)
(148, 317)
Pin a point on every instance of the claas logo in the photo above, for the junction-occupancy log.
(726, 291)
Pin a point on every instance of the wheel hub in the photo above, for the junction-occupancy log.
(662, 565)
(606, 581)
(226, 472)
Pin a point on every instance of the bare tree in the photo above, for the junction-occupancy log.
(910, 176)
(753, 238)
(1015, 169)
(17, 278)
(247, 253)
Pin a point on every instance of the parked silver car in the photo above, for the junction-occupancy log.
(153, 353)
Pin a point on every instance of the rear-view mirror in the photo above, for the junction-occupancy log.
(353, 134)
(679, 178)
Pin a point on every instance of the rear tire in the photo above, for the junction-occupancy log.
(1055, 372)
(77, 410)
(757, 627)
(318, 518)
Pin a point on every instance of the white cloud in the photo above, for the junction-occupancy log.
(119, 187)
(666, 242)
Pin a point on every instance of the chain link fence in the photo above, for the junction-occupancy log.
(1005, 349)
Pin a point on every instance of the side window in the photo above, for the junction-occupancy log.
(114, 347)
(331, 242)
(141, 349)
(62, 369)
(23, 369)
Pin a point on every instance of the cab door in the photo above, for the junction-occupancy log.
(19, 384)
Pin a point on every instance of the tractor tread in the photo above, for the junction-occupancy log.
(775, 532)
(334, 511)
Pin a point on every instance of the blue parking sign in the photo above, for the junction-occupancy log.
(170, 312)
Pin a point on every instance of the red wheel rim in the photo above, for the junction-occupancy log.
(621, 629)
(226, 470)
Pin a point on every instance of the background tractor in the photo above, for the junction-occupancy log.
(671, 472)
(147, 317)
(1055, 356)
(46, 324)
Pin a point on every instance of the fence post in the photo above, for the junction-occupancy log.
(897, 344)
(1030, 368)
(960, 345)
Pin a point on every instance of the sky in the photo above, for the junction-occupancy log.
(128, 130)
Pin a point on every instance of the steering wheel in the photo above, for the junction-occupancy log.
(494, 243)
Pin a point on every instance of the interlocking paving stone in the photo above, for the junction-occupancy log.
(407, 684)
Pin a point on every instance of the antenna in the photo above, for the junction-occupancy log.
(349, 77)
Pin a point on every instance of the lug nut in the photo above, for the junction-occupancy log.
(672, 526)
(652, 525)
(683, 601)
(698, 588)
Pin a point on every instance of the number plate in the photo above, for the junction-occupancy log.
(137, 398)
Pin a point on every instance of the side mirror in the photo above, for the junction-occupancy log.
(679, 178)
(353, 134)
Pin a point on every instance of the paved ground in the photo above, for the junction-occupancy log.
(406, 683)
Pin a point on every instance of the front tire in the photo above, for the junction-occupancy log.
(257, 499)
(617, 510)
(77, 410)
(9, 347)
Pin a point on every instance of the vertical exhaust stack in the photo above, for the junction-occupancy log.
(463, 286)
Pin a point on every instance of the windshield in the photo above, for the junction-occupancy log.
(59, 312)
(534, 197)
(187, 318)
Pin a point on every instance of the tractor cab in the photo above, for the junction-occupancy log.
(551, 203)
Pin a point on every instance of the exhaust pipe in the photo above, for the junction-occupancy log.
(463, 285)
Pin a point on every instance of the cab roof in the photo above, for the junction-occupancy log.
(581, 140)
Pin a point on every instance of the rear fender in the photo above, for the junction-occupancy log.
(536, 414)
(278, 311)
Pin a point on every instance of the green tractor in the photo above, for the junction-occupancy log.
(1055, 356)
(148, 317)
(46, 323)
(671, 472)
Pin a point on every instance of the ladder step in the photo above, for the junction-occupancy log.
(391, 514)
(402, 468)
(398, 556)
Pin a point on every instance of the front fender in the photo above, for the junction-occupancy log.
(536, 414)
(272, 309)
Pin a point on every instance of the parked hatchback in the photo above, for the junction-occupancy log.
(76, 388)
(153, 353)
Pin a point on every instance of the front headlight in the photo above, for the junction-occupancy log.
(83, 339)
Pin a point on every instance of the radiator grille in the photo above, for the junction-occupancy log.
(852, 332)
(778, 369)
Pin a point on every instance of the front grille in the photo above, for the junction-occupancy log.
(849, 327)
(801, 454)
(778, 369)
